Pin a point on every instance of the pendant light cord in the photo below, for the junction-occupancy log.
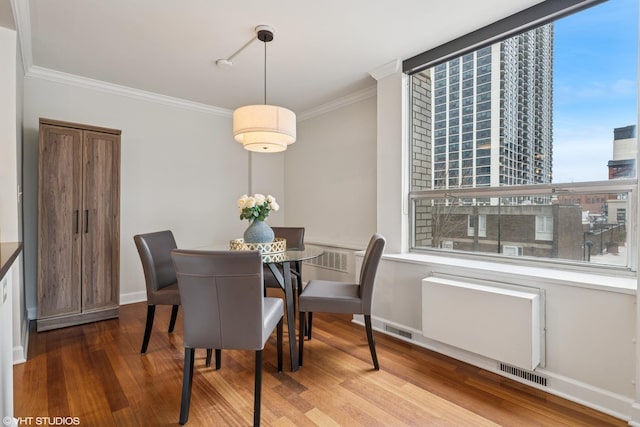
(265, 73)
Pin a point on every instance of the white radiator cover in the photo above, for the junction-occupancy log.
(498, 323)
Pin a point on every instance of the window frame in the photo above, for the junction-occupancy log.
(532, 17)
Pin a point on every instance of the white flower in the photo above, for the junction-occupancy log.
(242, 201)
(256, 207)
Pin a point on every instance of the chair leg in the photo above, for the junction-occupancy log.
(187, 381)
(258, 389)
(372, 344)
(174, 315)
(309, 320)
(302, 323)
(279, 342)
(218, 358)
(151, 311)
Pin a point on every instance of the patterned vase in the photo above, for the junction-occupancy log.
(258, 232)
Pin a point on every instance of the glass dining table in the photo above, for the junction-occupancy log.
(283, 276)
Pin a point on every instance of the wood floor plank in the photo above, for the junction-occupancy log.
(57, 402)
(96, 373)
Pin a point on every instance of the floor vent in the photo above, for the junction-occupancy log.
(398, 332)
(332, 260)
(524, 374)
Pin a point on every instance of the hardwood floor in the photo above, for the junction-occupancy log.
(95, 372)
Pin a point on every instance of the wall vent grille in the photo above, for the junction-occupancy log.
(524, 374)
(332, 260)
(399, 332)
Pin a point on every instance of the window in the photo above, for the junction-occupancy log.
(482, 225)
(510, 250)
(544, 227)
(528, 107)
(447, 244)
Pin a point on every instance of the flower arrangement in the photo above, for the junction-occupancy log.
(256, 207)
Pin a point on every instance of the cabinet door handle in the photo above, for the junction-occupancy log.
(86, 221)
(77, 220)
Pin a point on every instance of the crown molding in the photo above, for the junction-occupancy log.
(339, 103)
(87, 83)
(386, 70)
(22, 17)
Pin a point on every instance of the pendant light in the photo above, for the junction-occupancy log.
(264, 128)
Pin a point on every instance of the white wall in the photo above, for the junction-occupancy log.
(180, 170)
(20, 318)
(8, 209)
(330, 176)
(267, 177)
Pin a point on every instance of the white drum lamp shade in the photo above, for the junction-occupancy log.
(264, 128)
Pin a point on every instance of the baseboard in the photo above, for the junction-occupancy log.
(133, 297)
(128, 298)
(635, 415)
(18, 355)
(585, 394)
(20, 352)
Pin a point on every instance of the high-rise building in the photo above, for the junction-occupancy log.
(492, 115)
(625, 149)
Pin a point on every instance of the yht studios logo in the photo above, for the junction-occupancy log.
(43, 421)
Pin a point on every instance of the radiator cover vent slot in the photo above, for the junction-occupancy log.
(524, 374)
(332, 260)
(399, 332)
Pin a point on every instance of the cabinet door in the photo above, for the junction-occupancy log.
(101, 221)
(59, 238)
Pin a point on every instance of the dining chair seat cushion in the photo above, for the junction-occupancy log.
(169, 295)
(273, 312)
(329, 296)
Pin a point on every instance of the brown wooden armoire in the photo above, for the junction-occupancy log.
(78, 224)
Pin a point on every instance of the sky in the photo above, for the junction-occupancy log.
(595, 87)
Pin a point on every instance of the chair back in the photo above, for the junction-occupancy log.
(222, 298)
(155, 254)
(293, 235)
(368, 272)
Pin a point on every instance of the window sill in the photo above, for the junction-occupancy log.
(611, 281)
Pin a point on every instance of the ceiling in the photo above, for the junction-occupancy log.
(322, 50)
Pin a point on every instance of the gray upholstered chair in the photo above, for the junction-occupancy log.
(341, 297)
(295, 240)
(224, 307)
(159, 275)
